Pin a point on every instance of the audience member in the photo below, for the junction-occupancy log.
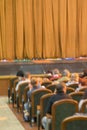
(65, 76)
(20, 74)
(74, 79)
(82, 83)
(33, 85)
(60, 93)
(84, 73)
(23, 78)
(39, 82)
(55, 74)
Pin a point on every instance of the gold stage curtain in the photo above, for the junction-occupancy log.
(43, 28)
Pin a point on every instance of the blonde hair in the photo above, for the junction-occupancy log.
(66, 72)
(75, 76)
(33, 81)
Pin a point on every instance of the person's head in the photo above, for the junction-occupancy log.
(45, 79)
(34, 82)
(56, 71)
(61, 87)
(74, 77)
(66, 72)
(85, 72)
(27, 75)
(49, 72)
(20, 74)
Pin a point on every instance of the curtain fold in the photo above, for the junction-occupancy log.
(9, 30)
(37, 28)
(2, 30)
(19, 44)
(43, 28)
(83, 28)
(71, 28)
(28, 19)
(48, 30)
(63, 26)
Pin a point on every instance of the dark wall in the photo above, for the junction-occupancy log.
(39, 68)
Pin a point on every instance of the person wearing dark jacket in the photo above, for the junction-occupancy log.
(60, 93)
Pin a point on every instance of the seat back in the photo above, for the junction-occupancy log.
(12, 82)
(70, 90)
(35, 99)
(21, 91)
(74, 123)
(76, 95)
(83, 89)
(75, 85)
(46, 83)
(43, 102)
(12, 79)
(62, 109)
(51, 87)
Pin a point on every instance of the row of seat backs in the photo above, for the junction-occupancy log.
(62, 109)
(22, 91)
(76, 96)
(33, 112)
(70, 109)
(37, 96)
(51, 87)
(47, 84)
(35, 99)
(70, 88)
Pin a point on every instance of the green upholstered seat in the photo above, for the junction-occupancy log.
(78, 122)
(51, 87)
(35, 99)
(60, 110)
(76, 95)
(46, 83)
(75, 85)
(70, 90)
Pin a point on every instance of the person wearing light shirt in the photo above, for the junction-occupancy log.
(23, 79)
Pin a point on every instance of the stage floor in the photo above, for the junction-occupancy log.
(42, 66)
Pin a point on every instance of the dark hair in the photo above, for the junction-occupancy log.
(20, 73)
(84, 73)
(60, 87)
(49, 71)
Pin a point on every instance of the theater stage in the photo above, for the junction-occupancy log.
(8, 69)
(42, 66)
